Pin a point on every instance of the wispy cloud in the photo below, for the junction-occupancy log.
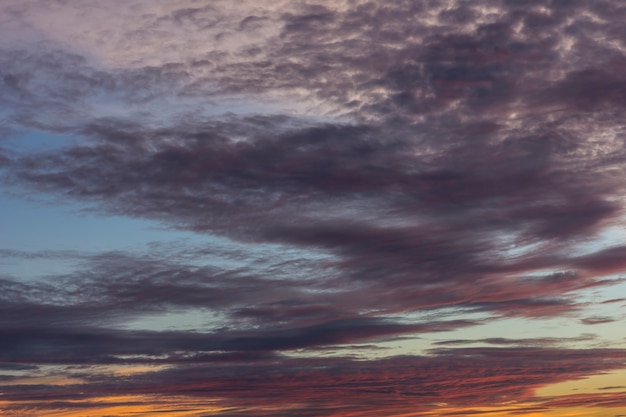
(459, 377)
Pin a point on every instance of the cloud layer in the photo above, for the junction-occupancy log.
(361, 172)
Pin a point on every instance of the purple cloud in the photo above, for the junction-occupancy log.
(359, 173)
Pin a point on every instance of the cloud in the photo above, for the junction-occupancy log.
(271, 189)
(590, 400)
(457, 377)
(597, 320)
(55, 346)
(360, 172)
(81, 315)
(503, 341)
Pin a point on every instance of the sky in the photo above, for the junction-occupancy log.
(343, 208)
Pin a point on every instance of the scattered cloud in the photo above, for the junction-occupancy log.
(597, 320)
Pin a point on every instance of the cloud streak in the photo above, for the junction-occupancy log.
(456, 377)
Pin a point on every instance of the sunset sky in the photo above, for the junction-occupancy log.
(344, 208)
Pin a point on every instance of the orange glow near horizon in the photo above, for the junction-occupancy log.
(602, 395)
(121, 406)
(179, 406)
(603, 383)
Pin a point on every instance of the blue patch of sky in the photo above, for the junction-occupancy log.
(29, 225)
(36, 225)
(200, 320)
(32, 141)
